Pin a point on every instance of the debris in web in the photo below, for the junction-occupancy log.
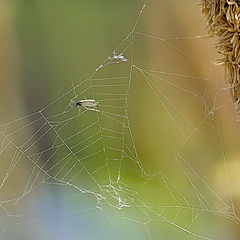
(117, 57)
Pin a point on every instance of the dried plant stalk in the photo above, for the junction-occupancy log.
(223, 21)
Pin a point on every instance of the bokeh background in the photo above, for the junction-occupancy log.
(47, 45)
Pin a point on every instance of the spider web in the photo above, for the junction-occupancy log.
(101, 164)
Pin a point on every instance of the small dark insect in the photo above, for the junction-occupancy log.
(88, 104)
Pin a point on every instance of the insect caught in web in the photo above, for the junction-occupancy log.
(88, 104)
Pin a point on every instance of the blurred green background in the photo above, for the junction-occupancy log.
(190, 185)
